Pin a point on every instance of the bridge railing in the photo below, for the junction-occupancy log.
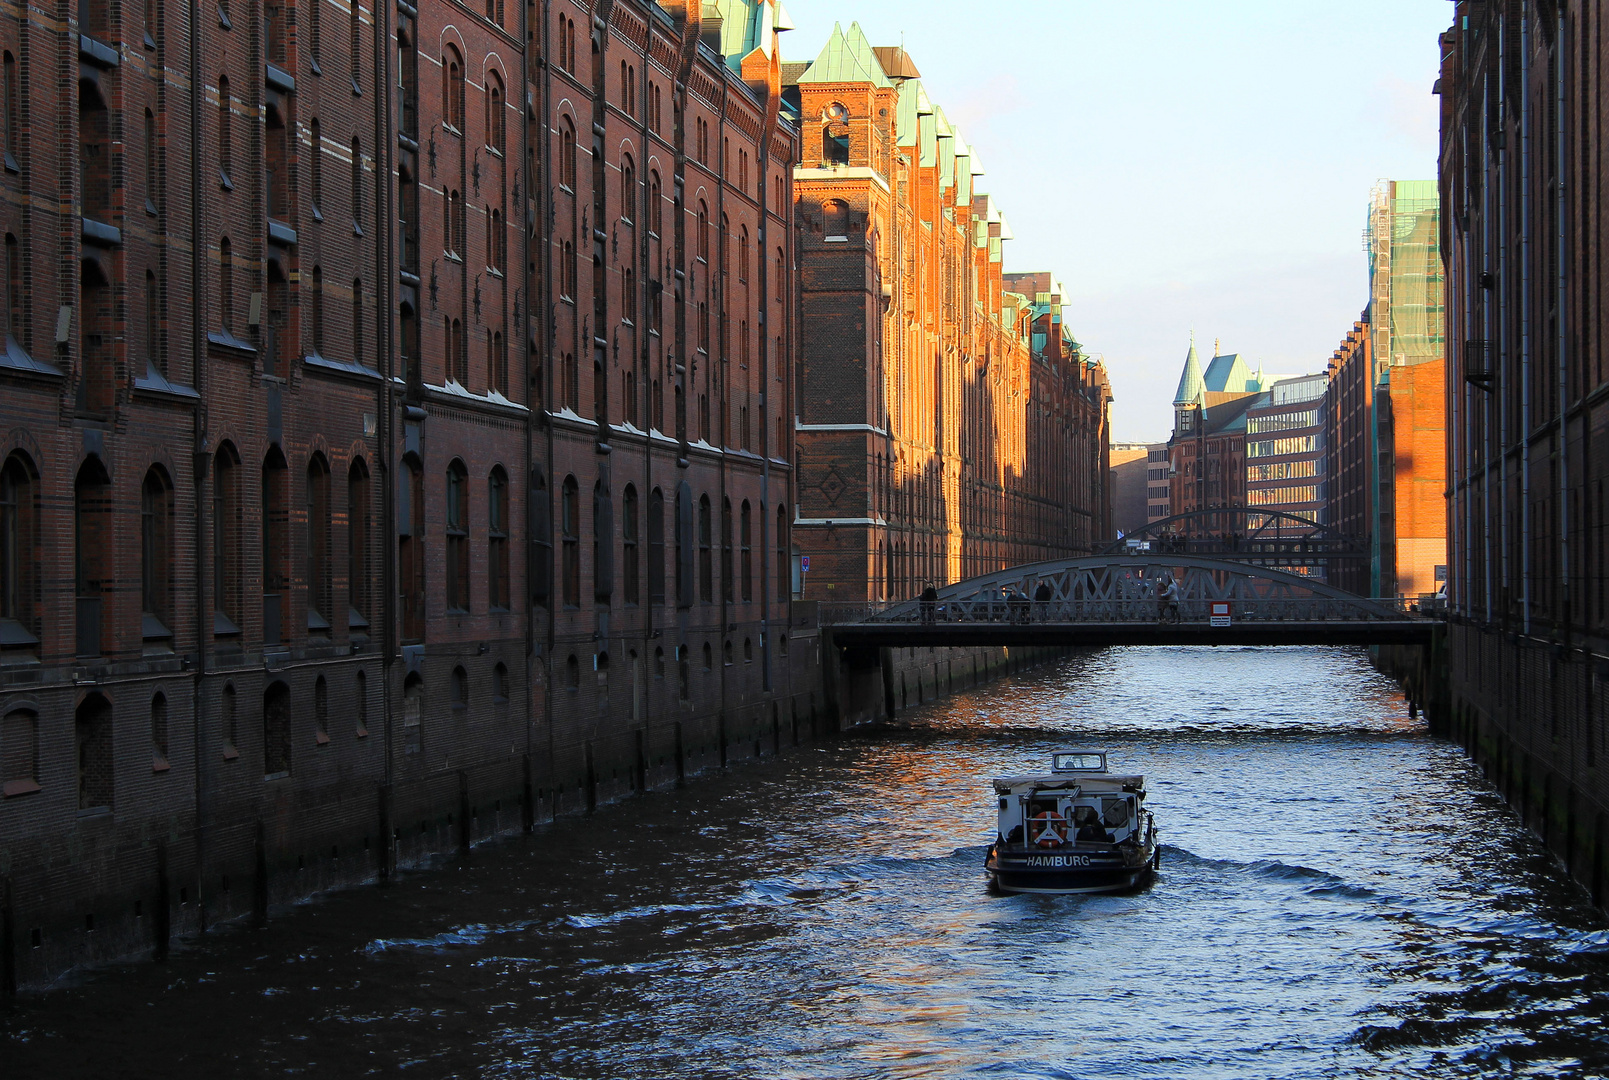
(1137, 610)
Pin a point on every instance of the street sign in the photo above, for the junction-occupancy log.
(1220, 613)
(804, 564)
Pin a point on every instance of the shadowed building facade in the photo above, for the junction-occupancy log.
(398, 407)
(1523, 236)
(948, 423)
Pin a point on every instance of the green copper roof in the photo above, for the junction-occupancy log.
(906, 112)
(1190, 385)
(1229, 374)
(946, 137)
(963, 172)
(846, 58)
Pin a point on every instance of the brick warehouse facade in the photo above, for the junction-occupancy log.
(948, 424)
(1522, 235)
(397, 408)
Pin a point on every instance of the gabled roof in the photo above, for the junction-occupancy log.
(1190, 385)
(1229, 374)
(846, 58)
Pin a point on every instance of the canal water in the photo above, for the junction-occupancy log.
(1340, 896)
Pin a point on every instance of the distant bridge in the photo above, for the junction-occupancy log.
(1244, 534)
(1112, 599)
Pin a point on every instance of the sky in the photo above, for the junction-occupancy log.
(1180, 165)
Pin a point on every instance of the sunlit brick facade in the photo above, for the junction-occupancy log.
(947, 425)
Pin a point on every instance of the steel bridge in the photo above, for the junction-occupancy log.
(1244, 534)
(1113, 599)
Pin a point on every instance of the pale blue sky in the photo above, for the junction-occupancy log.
(1179, 164)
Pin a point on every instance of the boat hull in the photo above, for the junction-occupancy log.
(1068, 871)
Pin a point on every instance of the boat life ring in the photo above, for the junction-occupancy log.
(1054, 832)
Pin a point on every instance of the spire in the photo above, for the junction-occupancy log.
(1190, 384)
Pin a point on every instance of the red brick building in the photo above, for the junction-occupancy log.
(398, 407)
(947, 423)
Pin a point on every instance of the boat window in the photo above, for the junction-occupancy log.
(1079, 763)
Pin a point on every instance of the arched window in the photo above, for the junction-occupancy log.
(320, 591)
(628, 543)
(709, 657)
(684, 679)
(150, 162)
(497, 580)
(460, 689)
(572, 672)
(359, 520)
(452, 90)
(499, 684)
(156, 557)
(494, 108)
(743, 253)
(778, 285)
(92, 734)
(539, 525)
(276, 547)
(357, 184)
(19, 753)
(321, 711)
(706, 559)
(457, 537)
(226, 139)
(567, 154)
(227, 527)
(746, 560)
(703, 231)
(728, 583)
(277, 730)
(356, 48)
(11, 111)
(570, 528)
(19, 552)
(628, 191)
(656, 219)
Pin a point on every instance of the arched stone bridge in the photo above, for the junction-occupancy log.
(1112, 599)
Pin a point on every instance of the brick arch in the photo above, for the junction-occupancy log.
(450, 35)
(493, 61)
(20, 439)
(317, 444)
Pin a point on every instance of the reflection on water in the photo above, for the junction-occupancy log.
(1339, 896)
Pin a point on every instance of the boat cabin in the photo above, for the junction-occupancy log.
(1077, 803)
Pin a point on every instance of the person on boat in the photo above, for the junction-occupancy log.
(1091, 831)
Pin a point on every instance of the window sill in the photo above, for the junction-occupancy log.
(231, 754)
(363, 733)
(321, 739)
(160, 765)
(14, 788)
(282, 775)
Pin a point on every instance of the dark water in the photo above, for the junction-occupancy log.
(1340, 896)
